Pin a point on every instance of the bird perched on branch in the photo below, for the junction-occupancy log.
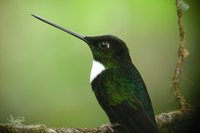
(117, 84)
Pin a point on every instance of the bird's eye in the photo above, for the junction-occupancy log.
(104, 45)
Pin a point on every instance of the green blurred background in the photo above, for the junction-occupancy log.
(44, 73)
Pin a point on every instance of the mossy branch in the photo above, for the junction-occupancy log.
(182, 54)
(177, 118)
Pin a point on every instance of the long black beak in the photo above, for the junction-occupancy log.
(61, 28)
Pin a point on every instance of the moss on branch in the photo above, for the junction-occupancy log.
(174, 119)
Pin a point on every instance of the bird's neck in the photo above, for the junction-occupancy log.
(98, 67)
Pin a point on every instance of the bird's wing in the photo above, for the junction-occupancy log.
(124, 103)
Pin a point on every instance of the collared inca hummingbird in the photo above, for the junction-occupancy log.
(117, 84)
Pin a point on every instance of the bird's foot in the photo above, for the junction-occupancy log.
(110, 126)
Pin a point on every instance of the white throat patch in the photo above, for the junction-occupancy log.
(97, 68)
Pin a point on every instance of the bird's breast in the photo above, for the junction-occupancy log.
(97, 68)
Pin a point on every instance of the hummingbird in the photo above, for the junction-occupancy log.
(117, 84)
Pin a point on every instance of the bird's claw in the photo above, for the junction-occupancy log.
(110, 126)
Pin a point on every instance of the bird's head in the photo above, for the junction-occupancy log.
(108, 50)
